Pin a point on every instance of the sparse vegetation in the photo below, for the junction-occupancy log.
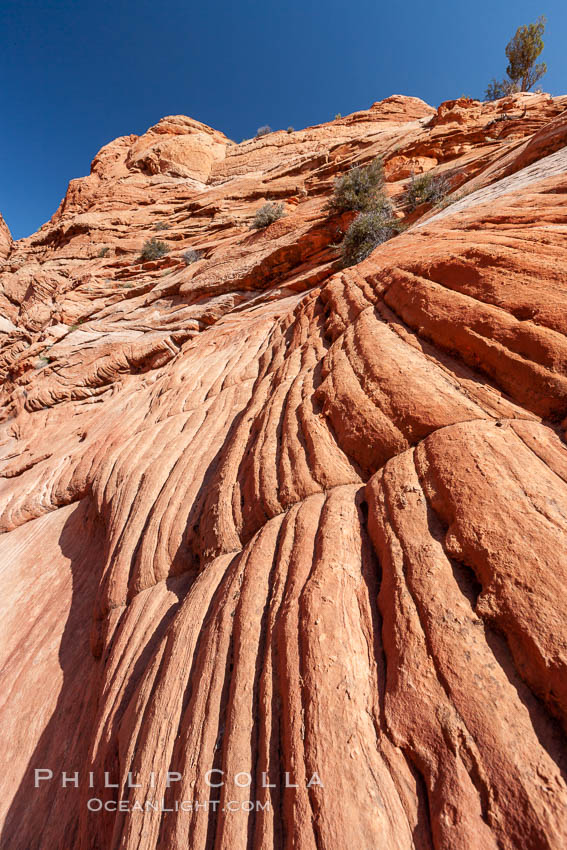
(367, 231)
(263, 131)
(522, 52)
(499, 88)
(153, 249)
(267, 214)
(425, 188)
(337, 116)
(103, 251)
(290, 130)
(191, 256)
(359, 189)
(446, 202)
(162, 225)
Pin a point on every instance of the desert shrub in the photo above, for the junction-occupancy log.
(425, 188)
(103, 251)
(162, 225)
(337, 116)
(290, 129)
(447, 201)
(153, 249)
(359, 189)
(267, 214)
(499, 88)
(367, 231)
(191, 256)
(263, 131)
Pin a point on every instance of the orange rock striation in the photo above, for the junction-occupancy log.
(266, 516)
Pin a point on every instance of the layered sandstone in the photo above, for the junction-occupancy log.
(265, 515)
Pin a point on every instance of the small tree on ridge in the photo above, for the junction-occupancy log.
(522, 52)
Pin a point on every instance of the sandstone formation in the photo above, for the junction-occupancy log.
(269, 516)
(5, 239)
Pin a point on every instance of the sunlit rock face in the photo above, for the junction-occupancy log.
(5, 239)
(295, 524)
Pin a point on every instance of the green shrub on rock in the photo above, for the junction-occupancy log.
(267, 214)
(367, 231)
(153, 249)
(426, 188)
(359, 189)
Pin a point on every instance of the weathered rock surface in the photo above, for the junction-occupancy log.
(263, 515)
(5, 239)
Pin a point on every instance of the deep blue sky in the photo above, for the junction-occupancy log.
(76, 74)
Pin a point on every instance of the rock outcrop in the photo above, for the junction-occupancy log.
(5, 239)
(300, 524)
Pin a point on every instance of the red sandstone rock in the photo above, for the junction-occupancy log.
(269, 516)
(5, 239)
